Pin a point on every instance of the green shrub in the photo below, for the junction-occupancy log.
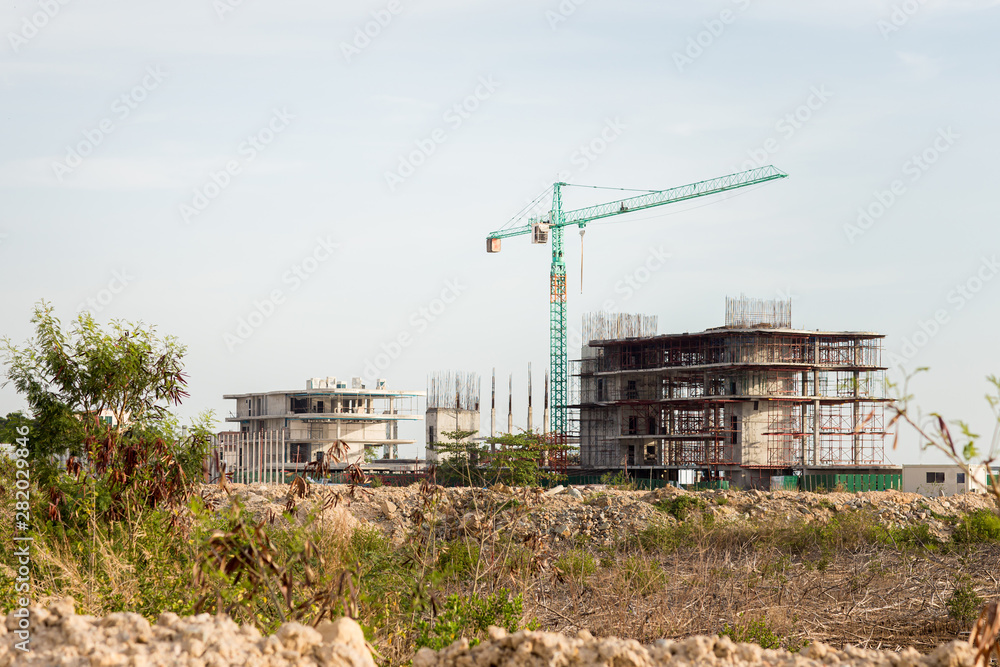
(977, 527)
(469, 617)
(577, 563)
(458, 558)
(642, 575)
(618, 480)
(680, 507)
(964, 604)
(755, 632)
(662, 539)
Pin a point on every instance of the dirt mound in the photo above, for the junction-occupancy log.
(531, 649)
(57, 636)
(596, 513)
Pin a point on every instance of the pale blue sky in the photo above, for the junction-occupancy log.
(165, 97)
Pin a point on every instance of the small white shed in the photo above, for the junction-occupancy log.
(942, 480)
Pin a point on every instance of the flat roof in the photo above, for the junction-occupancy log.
(727, 331)
(378, 393)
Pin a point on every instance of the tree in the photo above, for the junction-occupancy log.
(458, 458)
(106, 396)
(511, 459)
(9, 425)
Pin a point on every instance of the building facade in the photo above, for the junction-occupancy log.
(452, 405)
(743, 402)
(943, 480)
(312, 421)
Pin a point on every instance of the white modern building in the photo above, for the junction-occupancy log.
(943, 480)
(311, 421)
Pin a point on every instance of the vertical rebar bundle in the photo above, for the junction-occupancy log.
(614, 326)
(746, 313)
(459, 390)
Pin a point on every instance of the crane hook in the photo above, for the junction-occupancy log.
(583, 230)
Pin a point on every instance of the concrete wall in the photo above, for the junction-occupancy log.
(915, 480)
(751, 448)
(442, 420)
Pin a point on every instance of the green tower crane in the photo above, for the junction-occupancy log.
(553, 225)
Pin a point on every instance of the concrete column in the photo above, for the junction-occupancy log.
(493, 408)
(510, 403)
(529, 397)
(855, 437)
(545, 410)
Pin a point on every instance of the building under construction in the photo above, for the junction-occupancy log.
(452, 406)
(744, 402)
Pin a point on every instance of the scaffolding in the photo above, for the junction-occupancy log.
(752, 398)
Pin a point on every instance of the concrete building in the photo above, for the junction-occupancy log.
(310, 421)
(452, 405)
(943, 480)
(744, 402)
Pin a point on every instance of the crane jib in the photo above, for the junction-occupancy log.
(649, 200)
(550, 230)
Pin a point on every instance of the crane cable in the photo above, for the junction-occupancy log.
(527, 207)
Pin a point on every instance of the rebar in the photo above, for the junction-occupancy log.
(453, 389)
(615, 326)
(744, 312)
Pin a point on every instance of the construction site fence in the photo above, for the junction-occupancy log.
(850, 483)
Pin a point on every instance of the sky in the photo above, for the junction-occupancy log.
(303, 189)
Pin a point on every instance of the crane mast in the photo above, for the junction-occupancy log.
(551, 230)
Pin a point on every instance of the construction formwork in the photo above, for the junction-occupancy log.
(766, 398)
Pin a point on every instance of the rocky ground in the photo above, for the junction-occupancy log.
(60, 637)
(597, 513)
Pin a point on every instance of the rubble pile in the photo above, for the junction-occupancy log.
(533, 649)
(58, 636)
(597, 513)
